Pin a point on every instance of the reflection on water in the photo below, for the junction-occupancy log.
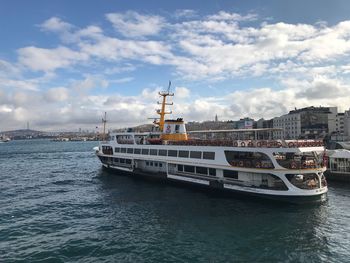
(58, 204)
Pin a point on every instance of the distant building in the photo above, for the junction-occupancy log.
(216, 118)
(264, 124)
(244, 123)
(307, 123)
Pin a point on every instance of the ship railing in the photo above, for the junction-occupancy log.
(124, 141)
(249, 143)
(297, 164)
(308, 184)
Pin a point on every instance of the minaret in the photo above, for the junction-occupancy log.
(104, 121)
(216, 118)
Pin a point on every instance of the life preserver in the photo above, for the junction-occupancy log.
(258, 164)
(243, 144)
(293, 165)
(168, 129)
(233, 163)
(248, 163)
(250, 144)
(241, 164)
(265, 165)
(235, 144)
(271, 144)
(259, 144)
(279, 144)
(291, 145)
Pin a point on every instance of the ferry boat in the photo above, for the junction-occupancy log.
(4, 139)
(246, 161)
(338, 165)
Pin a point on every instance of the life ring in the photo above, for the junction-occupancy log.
(242, 144)
(241, 164)
(293, 165)
(265, 165)
(248, 164)
(250, 144)
(271, 144)
(233, 163)
(235, 144)
(291, 145)
(279, 144)
(259, 144)
(257, 164)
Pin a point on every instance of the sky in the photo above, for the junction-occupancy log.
(64, 63)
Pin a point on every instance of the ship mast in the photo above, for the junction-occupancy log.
(162, 112)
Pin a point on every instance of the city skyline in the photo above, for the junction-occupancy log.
(63, 65)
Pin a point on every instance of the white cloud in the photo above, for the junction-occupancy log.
(182, 92)
(185, 13)
(222, 15)
(41, 59)
(55, 24)
(58, 94)
(133, 24)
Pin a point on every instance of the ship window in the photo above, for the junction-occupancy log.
(123, 150)
(177, 128)
(189, 169)
(201, 170)
(172, 153)
(209, 155)
(160, 165)
(231, 174)
(156, 164)
(145, 151)
(122, 160)
(196, 155)
(116, 160)
(248, 159)
(212, 171)
(162, 152)
(184, 154)
(130, 150)
(128, 161)
(151, 163)
(180, 168)
(153, 152)
(147, 163)
(117, 150)
(137, 151)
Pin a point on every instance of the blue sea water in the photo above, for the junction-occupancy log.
(58, 205)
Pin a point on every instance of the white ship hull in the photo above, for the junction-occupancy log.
(263, 182)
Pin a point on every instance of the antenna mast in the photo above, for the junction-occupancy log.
(162, 111)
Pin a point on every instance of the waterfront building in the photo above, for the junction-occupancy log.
(307, 123)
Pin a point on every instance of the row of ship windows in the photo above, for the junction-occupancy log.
(205, 171)
(196, 170)
(156, 164)
(171, 153)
